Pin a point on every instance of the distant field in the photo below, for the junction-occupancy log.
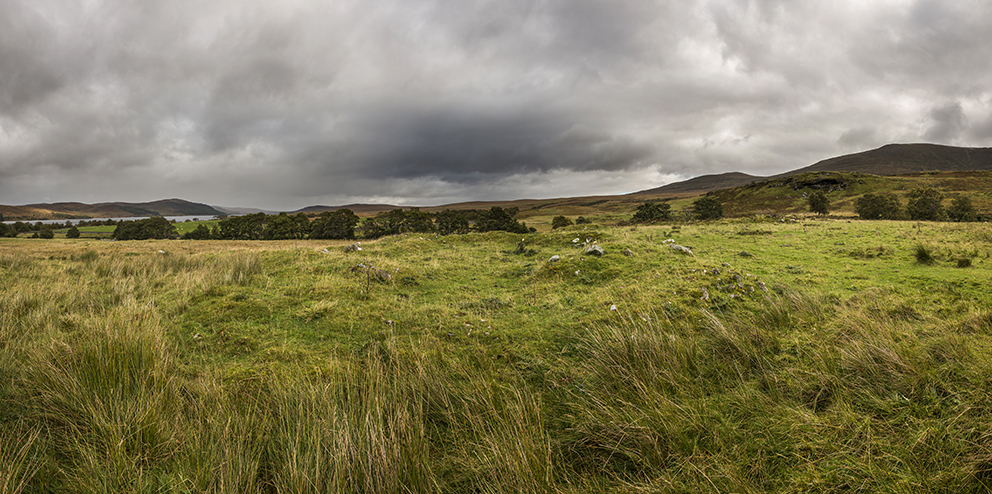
(781, 356)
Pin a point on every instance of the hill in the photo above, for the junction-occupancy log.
(888, 160)
(902, 159)
(703, 184)
(78, 210)
(786, 195)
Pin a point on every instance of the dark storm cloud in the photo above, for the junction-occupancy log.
(461, 146)
(285, 104)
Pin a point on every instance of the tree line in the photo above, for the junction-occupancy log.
(923, 204)
(704, 208)
(344, 224)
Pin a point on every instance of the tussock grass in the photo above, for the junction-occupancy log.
(270, 367)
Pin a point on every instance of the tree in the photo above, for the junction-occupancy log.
(962, 210)
(878, 207)
(560, 222)
(73, 232)
(499, 219)
(708, 208)
(451, 222)
(818, 203)
(653, 211)
(338, 224)
(46, 232)
(154, 227)
(201, 232)
(925, 204)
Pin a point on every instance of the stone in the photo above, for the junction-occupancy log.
(681, 248)
(555, 258)
(594, 250)
(355, 247)
(628, 253)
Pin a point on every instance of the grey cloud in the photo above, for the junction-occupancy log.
(858, 138)
(471, 146)
(28, 66)
(949, 123)
(400, 99)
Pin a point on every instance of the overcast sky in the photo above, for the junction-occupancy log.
(281, 105)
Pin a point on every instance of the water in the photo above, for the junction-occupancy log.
(177, 219)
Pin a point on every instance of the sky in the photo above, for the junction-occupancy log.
(282, 105)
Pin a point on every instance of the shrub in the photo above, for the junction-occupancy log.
(652, 211)
(962, 210)
(560, 222)
(925, 204)
(818, 203)
(878, 207)
(708, 208)
(72, 233)
(923, 254)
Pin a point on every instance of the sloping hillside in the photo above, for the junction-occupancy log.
(888, 160)
(902, 159)
(786, 195)
(703, 184)
(74, 210)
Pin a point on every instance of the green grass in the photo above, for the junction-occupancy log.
(827, 359)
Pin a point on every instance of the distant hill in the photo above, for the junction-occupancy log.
(703, 184)
(888, 160)
(358, 209)
(78, 210)
(902, 159)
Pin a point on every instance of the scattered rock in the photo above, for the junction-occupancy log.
(613, 308)
(628, 253)
(595, 250)
(681, 248)
(706, 295)
(355, 247)
(555, 258)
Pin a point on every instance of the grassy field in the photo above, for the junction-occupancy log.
(781, 356)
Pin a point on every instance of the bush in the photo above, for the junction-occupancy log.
(652, 211)
(925, 204)
(338, 224)
(582, 220)
(923, 255)
(708, 208)
(962, 210)
(450, 222)
(818, 203)
(201, 232)
(154, 227)
(499, 219)
(72, 233)
(560, 222)
(878, 207)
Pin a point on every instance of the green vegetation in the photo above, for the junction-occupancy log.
(925, 204)
(818, 203)
(707, 208)
(878, 206)
(560, 222)
(651, 212)
(826, 359)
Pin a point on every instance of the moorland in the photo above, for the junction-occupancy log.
(787, 353)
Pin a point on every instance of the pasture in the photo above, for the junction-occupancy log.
(785, 355)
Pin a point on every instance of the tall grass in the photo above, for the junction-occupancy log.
(125, 369)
